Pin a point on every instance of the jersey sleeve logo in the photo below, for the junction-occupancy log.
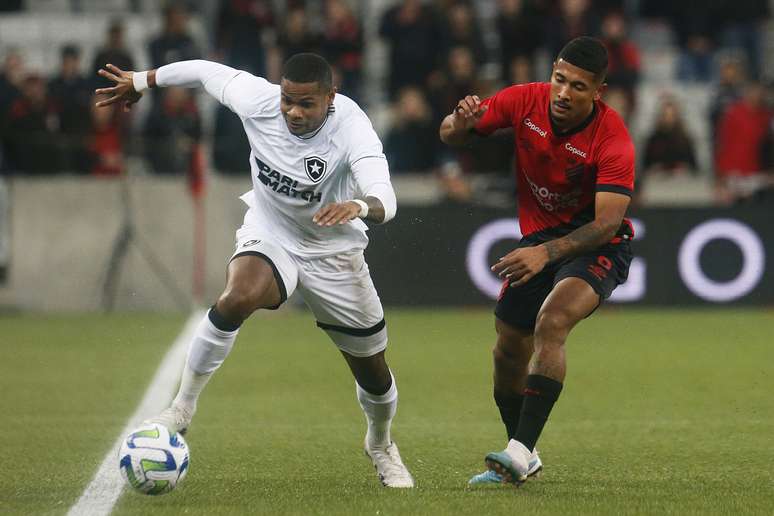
(315, 168)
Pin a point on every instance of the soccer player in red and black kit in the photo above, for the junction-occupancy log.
(575, 172)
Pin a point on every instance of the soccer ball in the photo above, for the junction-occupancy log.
(152, 461)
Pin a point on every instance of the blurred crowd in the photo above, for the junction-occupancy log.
(437, 52)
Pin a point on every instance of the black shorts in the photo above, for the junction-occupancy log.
(604, 269)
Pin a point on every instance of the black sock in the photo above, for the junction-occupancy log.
(510, 409)
(539, 398)
(221, 322)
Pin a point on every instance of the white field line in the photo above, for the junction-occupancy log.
(101, 494)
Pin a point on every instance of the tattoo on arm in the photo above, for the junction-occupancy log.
(375, 210)
(583, 239)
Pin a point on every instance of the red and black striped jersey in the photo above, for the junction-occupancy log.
(558, 174)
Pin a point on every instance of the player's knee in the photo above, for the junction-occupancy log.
(372, 374)
(501, 353)
(553, 324)
(238, 304)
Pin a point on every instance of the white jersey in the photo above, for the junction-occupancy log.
(293, 176)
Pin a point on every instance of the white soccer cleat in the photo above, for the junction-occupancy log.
(492, 477)
(389, 466)
(176, 418)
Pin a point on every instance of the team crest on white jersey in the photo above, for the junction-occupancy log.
(315, 168)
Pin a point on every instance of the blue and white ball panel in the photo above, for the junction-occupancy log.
(152, 461)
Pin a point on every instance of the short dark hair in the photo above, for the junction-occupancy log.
(307, 67)
(587, 53)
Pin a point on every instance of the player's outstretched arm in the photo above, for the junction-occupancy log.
(233, 88)
(456, 128)
(520, 265)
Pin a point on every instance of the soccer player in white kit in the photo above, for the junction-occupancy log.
(318, 169)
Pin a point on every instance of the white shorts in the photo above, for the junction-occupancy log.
(338, 289)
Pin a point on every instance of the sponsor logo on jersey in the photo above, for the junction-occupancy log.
(575, 151)
(283, 184)
(315, 168)
(529, 123)
(553, 201)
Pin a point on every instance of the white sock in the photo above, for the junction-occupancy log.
(379, 411)
(191, 386)
(209, 348)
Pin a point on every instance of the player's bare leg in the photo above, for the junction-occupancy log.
(377, 394)
(250, 285)
(512, 353)
(570, 301)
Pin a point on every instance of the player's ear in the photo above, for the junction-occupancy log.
(600, 91)
(332, 94)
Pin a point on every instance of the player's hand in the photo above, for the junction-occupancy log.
(336, 213)
(468, 112)
(520, 265)
(122, 92)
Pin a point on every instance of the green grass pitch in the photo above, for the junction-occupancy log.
(663, 412)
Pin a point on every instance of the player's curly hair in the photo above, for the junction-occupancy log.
(587, 53)
(307, 67)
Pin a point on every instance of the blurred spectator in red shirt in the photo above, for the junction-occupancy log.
(731, 79)
(342, 46)
(106, 143)
(623, 57)
(741, 135)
